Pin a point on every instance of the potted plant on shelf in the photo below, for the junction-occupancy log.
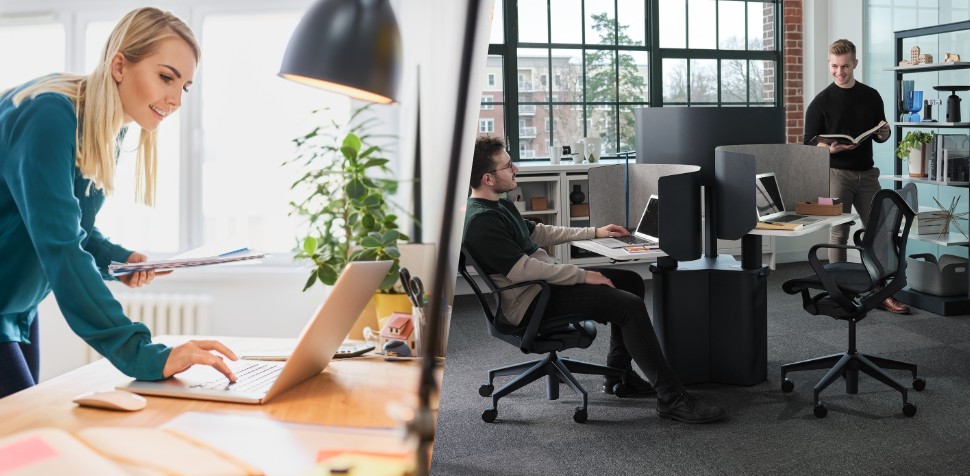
(913, 147)
(344, 190)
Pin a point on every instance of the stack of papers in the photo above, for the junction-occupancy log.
(197, 257)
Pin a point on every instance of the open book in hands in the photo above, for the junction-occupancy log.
(830, 138)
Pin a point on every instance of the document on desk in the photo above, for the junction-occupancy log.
(203, 256)
(140, 450)
(277, 447)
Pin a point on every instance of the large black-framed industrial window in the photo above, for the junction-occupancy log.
(562, 70)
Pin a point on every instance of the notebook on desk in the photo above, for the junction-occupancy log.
(647, 232)
(259, 381)
(770, 206)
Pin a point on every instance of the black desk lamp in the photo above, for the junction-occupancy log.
(354, 47)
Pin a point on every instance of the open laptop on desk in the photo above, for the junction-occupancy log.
(771, 207)
(259, 381)
(646, 233)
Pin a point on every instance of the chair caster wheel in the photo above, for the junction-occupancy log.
(486, 390)
(909, 410)
(821, 411)
(621, 390)
(787, 386)
(488, 416)
(580, 416)
(919, 384)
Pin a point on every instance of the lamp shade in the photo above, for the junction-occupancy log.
(352, 47)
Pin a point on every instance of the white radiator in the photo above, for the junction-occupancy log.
(186, 314)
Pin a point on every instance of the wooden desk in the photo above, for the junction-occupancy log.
(350, 392)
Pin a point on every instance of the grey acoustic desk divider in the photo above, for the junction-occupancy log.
(802, 172)
(677, 186)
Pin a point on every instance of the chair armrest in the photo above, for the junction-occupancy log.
(827, 282)
(532, 328)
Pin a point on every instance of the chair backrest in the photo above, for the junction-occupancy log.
(884, 240)
(491, 301)
(534, 334)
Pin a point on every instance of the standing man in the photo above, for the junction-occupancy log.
(849, 107)
(508, 248)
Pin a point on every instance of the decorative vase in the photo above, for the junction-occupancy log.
(577, 195)
(917, 162)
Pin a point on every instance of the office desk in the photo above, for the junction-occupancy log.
(617, 254)
(751, 256)
(350, 392)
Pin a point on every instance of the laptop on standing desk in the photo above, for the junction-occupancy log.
(259, 381)
(646, 233)
(771, 207)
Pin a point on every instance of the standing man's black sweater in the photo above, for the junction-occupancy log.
(849, 111)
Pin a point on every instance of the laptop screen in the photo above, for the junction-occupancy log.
(767, 198)
(650, 221)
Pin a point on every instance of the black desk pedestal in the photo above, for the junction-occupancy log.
(711, 317)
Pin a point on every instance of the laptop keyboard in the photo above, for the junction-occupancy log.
(787, 218)
(250, 377)
(635, 240)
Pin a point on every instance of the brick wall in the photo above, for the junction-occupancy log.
(793, 81)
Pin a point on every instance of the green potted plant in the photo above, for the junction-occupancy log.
(913, 147)
(344, 193)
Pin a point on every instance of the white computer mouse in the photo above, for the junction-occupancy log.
(112, 400)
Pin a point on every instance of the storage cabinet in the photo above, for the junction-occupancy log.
(939, 305)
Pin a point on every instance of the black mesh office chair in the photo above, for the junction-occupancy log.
(850, 290)
(537, 334)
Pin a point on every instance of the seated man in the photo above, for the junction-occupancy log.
(508, 247)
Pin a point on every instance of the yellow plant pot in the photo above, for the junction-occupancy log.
(387, 304)
(367, 318)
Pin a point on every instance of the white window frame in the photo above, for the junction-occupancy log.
(488, 102)
(486, 126)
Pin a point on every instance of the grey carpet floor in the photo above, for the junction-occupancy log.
(766, 432)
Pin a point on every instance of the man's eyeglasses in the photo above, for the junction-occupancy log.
(507, 166)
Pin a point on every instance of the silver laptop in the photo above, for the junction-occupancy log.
(647, 232)
(259, 381)
(771, 207)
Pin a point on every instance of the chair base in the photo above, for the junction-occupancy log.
(558, 370)
(848, 365)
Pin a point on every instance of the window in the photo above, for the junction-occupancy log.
(491, 79)
(487, 104)
(709, 52)
(234, 167)
(486, 126)
(40, 51)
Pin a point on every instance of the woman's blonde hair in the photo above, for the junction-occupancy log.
(136, 36)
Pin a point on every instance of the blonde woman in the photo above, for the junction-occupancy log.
(59, 137)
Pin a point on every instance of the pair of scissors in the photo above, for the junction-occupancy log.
(417, 291)
(406, 283)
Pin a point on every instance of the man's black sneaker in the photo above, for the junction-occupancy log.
(633, 385)
(688, 409)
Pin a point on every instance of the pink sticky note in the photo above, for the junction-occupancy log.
(22, 453)
(825, 201)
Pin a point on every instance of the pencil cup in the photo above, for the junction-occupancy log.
(420, 315)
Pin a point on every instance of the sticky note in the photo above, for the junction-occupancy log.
(22, 453)
(825, 201)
